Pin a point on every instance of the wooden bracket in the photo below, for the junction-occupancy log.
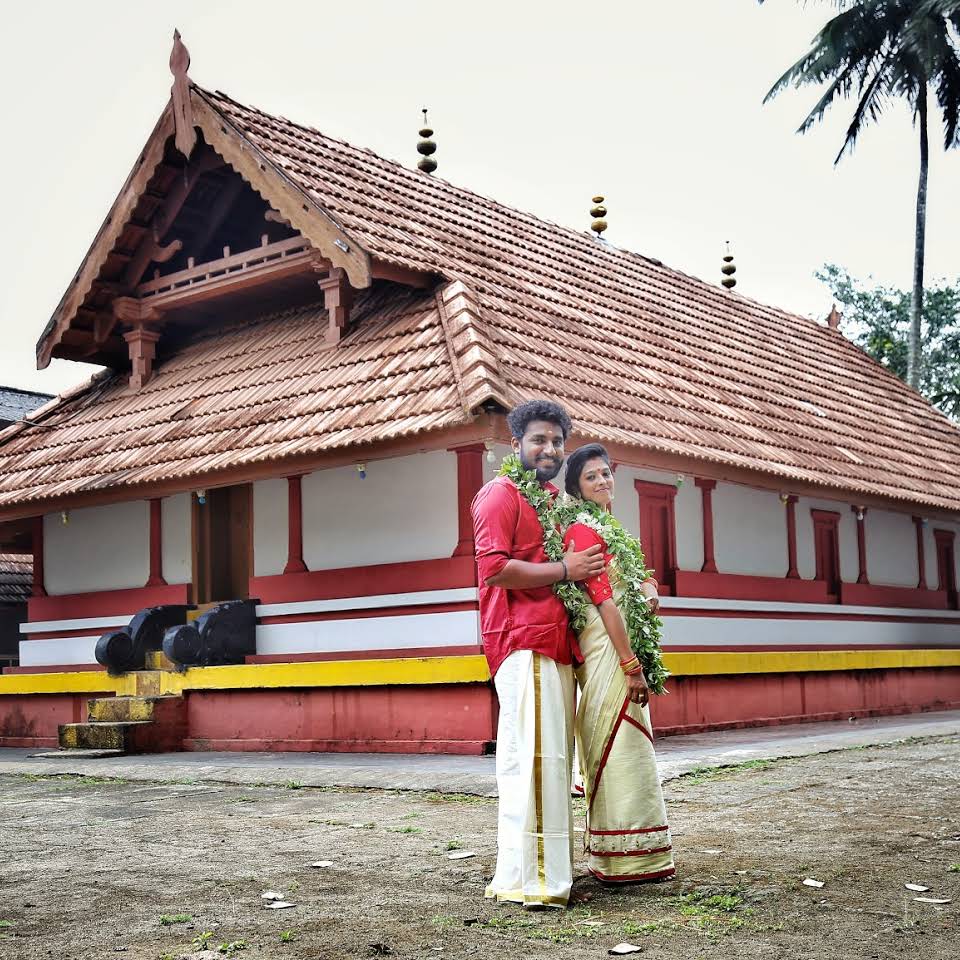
(141, 339)
(186, 136)
(338, 299)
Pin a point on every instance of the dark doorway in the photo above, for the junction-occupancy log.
(221, 536)
(946, 565)
(658, 531)
(826, 545)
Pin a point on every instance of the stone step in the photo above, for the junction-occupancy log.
(157, 660)
(127, 737)
(127, 709)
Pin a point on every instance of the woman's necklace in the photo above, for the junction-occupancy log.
(643, 627)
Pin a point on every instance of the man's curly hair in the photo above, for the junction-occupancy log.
(522, 414)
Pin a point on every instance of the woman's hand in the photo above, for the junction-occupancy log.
(653, 598)
(637, 689)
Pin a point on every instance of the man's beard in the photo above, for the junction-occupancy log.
(544, 472)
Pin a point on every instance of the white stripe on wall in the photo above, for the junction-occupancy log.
(459, 628)
(419, 598)
(84, 623)
(736, 632)
(773, 606)
(67, 651)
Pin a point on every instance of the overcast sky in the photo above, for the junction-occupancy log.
(536, 104)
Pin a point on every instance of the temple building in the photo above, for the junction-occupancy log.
(251, 530)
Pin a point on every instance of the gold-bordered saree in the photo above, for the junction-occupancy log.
(627, 835)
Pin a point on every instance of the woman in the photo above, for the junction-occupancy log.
(627, 838)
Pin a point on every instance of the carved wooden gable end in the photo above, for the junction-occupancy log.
(205, 225)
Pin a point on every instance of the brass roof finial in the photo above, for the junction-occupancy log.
(728, 269)
(598, 212)
(426, 147)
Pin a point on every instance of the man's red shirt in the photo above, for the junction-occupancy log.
(507, 528)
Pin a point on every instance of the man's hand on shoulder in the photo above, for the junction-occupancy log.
(583, 564)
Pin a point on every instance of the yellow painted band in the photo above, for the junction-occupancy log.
(437, 670)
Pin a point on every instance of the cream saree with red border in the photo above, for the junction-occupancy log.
(627, 836)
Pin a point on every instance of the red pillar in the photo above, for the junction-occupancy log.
(469, 481)
(706, 493)
(38, 588)
(921, 557)
(295, 562)
(156, 546)
(791, 504)
(860, 513)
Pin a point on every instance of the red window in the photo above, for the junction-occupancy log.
(946, 564)
(658, 531)
(826, 547)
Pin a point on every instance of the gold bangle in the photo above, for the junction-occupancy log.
(630, 666)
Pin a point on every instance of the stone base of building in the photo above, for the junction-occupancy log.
(447, 704)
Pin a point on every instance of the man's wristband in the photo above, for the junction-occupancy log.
(565, 575)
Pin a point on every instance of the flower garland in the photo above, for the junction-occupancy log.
(643, 627)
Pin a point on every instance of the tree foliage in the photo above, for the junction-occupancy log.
(877, 319)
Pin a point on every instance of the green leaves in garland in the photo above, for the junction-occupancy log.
(644, 628)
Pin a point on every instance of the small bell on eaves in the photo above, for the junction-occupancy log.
(728, 269)
(598, 212)
(426, 147)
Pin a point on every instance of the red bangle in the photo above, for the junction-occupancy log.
(633, 673)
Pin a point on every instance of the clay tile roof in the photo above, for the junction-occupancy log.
(16, 577)
(641, 355)
(250, 391)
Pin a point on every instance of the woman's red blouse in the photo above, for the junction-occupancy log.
(581, 536)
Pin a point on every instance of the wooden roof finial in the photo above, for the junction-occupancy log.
(186, 135)
(834, 317)
(728, 269)
(426, 147)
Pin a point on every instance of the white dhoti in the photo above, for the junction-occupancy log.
(534, 754)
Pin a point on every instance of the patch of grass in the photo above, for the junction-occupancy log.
(201, 940)
(705, 774)
(287, 936)
(407, 830)
(5, 924)
(229, 949)
(457, 798)
(293, 785)
(70, 778)
(443, 921)
(410, 816)
(698, 904)
(646, 928)
(454, 845)
(168, 919)
(954, 868)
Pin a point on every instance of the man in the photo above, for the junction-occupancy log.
(529, 646)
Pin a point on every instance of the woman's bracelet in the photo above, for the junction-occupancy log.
(636, 670)
(631, 666)
(566, 575)
(653, 581)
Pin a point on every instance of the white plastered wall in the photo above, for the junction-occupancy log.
(270, 533)
(405, 509)
(100, 548)
(892, 549)
(847, 532)
(749, 531)
(176, 538)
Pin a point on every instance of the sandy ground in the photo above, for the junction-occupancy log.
(94, 868)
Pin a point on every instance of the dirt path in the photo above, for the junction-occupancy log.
(92, 868)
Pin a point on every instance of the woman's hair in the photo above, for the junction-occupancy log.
(576, 462)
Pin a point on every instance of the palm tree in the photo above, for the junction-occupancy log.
(879, 51)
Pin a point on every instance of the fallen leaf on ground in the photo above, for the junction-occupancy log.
(810, 882)
(622, 948)
(461, 855)
(916, 887)
(931, 900)
(322, 863)
(280, 905)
